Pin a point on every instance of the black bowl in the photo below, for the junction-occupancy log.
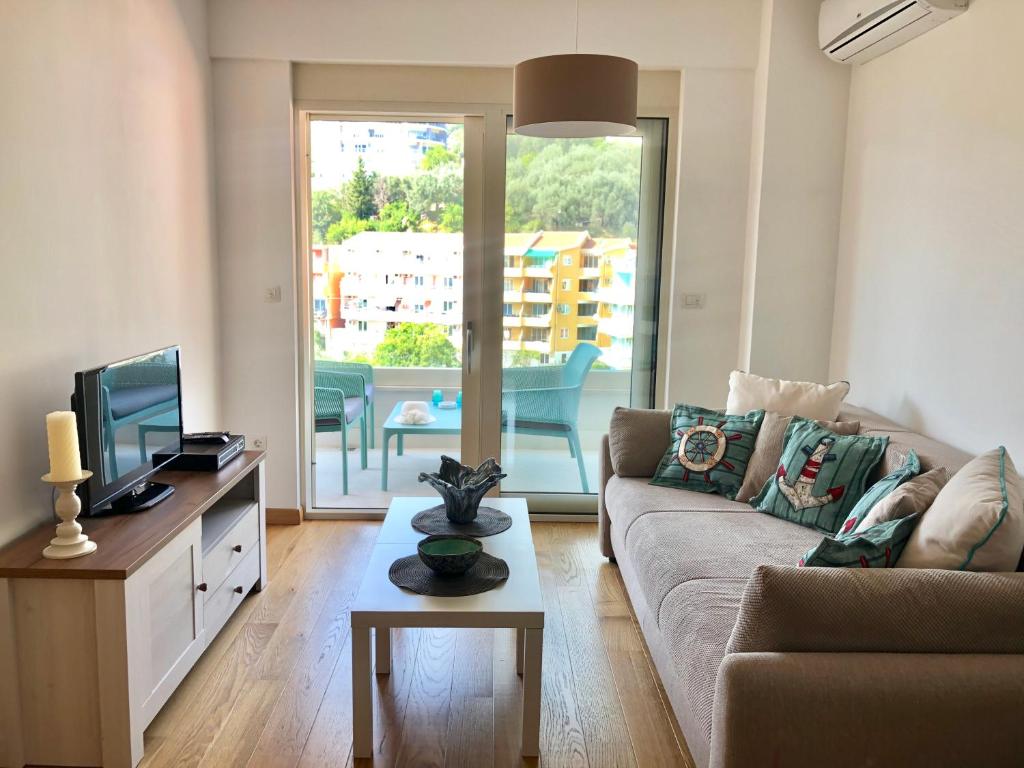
(449, 554)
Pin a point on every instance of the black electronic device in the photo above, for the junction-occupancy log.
(203, 457)
(129, 424)
(205, 438)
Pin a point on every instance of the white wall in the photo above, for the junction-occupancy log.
(256, 247)
(796, 180)
(105, 213)
(659, 34)
(714, 157)
(929, 307)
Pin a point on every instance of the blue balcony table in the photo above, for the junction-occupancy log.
(447, 422)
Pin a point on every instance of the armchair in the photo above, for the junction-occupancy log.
(366, 371)
(544, 400)
(339, 398)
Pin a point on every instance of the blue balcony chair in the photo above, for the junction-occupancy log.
(366, 371)
(339, 398)
(544, 400)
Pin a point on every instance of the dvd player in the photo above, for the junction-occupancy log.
(201, 457)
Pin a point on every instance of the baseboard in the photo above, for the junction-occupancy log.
(284, 516)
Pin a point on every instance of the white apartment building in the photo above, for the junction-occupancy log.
(386, 278)
(386, 148)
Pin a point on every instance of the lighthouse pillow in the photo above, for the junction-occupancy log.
(709, 451)
(821, 476)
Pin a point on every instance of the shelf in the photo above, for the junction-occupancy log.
(221, 518)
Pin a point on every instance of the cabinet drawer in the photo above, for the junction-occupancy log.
(231, 548)
(222, 602)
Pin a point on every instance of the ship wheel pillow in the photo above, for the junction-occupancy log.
(821, 476)
(709, 451)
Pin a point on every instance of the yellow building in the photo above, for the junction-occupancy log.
(552, 282)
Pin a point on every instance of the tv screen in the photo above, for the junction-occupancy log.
(127, 411)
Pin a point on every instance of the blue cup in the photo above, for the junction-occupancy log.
(438, 397)
(458, 399)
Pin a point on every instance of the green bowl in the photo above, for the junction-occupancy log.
(449, 554)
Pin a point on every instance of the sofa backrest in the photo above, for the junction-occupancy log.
(638, 438)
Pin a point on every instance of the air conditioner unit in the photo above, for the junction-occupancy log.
(855, 31)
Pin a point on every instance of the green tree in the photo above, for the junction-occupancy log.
(432, 192)
(451, 218)
(416, 345)
(326, 210)
(438, 157)
(524, 358)
(396, 217)
(340, 231)
(390, 189)
(359, 193)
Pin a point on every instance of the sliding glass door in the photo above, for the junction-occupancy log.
(579, 299)
(386, 278)
(502, 288)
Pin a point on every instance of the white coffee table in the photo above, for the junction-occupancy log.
(381, 605)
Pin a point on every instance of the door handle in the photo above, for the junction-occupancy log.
(469, 348)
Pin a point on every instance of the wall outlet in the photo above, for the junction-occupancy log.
(258, 443)
(693, 300)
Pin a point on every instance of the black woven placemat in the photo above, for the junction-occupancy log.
(410, 573)
(487, 522)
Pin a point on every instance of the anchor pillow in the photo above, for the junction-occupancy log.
(821, 476)
(709, 451)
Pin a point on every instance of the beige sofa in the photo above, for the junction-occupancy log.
(766, 664)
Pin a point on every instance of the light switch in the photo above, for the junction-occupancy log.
(272, 295)
(693, 300)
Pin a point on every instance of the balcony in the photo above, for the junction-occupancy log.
(512, 321)
(536, 297)
(512, 297)
(537, 321)
(539, 270)
(533, 464)
(513, 271)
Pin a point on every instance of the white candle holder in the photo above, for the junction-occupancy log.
(69, 541)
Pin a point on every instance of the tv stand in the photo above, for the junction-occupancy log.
(92, 648)
(141, 497)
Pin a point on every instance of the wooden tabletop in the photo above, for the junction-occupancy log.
(125, 542)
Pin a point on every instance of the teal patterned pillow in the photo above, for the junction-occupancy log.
(709, 451)
(911, 467)
(821, 477)
(880, 546)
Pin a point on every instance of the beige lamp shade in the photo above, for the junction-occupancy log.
(574, 95)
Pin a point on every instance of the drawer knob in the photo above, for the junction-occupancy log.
(202, 587)
(238, 590)
(236, 548)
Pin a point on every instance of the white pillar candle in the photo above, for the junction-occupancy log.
(62, 442)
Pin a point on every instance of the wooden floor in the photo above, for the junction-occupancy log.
(274, 689)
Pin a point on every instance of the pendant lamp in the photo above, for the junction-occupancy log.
(574, 95)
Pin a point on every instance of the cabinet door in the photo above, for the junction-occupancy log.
(165, 620)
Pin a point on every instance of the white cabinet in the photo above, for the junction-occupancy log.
(92, 648)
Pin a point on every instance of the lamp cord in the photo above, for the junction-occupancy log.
(577, 26)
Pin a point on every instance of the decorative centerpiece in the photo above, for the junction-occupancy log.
(462, 487)
(449, 554)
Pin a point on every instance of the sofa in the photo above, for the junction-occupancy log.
(768, 664)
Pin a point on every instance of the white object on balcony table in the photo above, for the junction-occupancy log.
(414, 412)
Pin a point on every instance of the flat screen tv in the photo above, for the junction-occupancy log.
(128, 411)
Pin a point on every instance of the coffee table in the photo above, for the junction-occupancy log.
(446, 422)
(380, 605)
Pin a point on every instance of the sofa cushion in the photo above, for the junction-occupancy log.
(913, 497)
(880, 491)
(771, 439)
(749, 392)
(637, 439)
(697, 621)
(627, 498)
(709, 450)
(879, 546)
(820, 477)
(668, 548)
(976, 522)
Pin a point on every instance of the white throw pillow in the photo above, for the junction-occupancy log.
(748, 392)
(976, 523)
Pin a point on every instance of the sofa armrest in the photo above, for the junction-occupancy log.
(850, 710)
(902, 610)
(604, 531)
